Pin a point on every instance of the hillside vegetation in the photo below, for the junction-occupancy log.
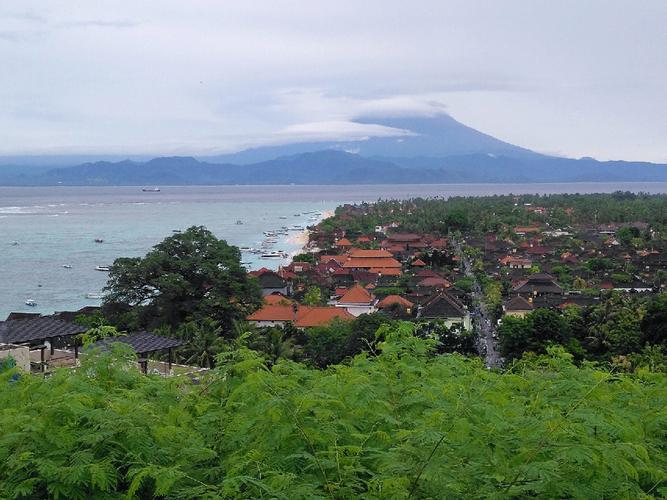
(397, 423)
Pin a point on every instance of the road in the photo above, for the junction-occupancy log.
(482, 321)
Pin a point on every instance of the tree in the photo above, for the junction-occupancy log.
(305, 257)
(204, 341)
(533, 333)
(188, 276)
(654, 323)
(313, 296)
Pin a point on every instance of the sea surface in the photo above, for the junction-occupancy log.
(44, 228)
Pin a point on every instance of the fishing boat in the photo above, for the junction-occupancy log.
(176, 231)
(151, 190)
(105, 269)
(30, 302)
(283, 217)
(99, 240)
(239, 222)
(94, 296)
(296, 228)
(67, 266)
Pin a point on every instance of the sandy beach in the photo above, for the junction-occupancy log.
(301, 238)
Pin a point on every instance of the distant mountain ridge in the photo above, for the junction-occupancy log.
(438, 150)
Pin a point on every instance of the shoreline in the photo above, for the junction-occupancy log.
(302, 238)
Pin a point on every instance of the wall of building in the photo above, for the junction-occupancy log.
(21, 355)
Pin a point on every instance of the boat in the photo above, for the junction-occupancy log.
(176, 231)
(297, 215)
(67, 266)
(273, 255)
(283, 217)
(15, 243)
(239, 222)
(95, 296)
(105, 269)
(151, 190)
(296, 228)
(99, 240)
(30, 302)
(245, 249)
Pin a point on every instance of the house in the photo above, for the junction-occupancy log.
(537, 284)
(343, 244)
(271, 282)
(514, 262)
(301, 316)
(395, 301)
(517, 306)
(357, 301)
(434, 282)
(418, 263)
(524, 230)
(446, 307)
(376, 261)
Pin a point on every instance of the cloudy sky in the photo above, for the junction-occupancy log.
(568, 77)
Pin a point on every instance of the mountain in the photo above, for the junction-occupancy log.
(437, 150)
(436, 136)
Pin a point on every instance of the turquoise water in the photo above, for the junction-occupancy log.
(57, 226)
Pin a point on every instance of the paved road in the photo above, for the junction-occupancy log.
(484, 324)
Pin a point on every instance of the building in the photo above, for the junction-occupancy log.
(517, 306)
(537, 285)
(444, 306)
(271, 282)
(357, 301)
(299, 315)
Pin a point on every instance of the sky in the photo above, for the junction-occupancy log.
(568, 77)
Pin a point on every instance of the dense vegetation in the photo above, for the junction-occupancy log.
(493, 213)
(404, 423)
(612, 330)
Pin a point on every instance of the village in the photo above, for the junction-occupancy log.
(466, 279)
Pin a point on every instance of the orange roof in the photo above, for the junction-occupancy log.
(276, 299)
(338, 258)
(372, 262)
(526, 229)
(306, 316)
(418, 263)
(276, 312)
(366, 254)
(343, 242)
(390, 300)
(356, 295)
(320, 316)
(386, 271)
(363, 239)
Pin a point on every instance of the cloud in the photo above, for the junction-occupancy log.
(336, 131)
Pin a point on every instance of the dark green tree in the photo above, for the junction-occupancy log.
(188, 276)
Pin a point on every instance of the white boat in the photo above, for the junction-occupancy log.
(67, 266)
(105, 269)
(151, 190)
(30, 302)
(273, 255)
(245, 249)
(296, 228)
(283, 217)
(99, 240)
(95, 296)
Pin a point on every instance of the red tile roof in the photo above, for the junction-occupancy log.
(306, 316)
(366, 254)
(343, 242)
(435, 282)
(276, 299)
(418, 263)
(390, 300)
(356, 295)
(372, 262)
(340, 259)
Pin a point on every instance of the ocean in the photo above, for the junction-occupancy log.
(43, 229)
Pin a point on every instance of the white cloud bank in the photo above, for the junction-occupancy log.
(162, 77)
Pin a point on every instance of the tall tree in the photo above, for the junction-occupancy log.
(188, 276)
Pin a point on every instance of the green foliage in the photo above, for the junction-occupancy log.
(313, 296)
(97, 333)
(188, 276)
(397, 425)
(305, 257)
